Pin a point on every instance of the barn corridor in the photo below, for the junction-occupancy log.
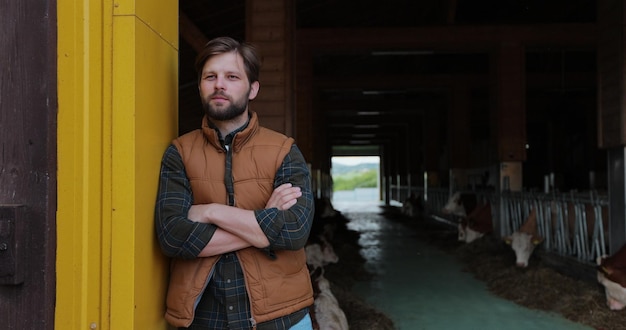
(419, 286)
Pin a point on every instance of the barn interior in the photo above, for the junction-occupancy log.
(388, 79)
(388, 76)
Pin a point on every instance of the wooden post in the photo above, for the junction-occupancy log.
(612, 112)
(270, 27)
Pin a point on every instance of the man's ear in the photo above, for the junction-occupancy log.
(254, 90)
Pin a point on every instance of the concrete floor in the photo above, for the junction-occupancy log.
(420, 287)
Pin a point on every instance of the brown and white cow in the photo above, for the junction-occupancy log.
(611, 273)
(326, 313)
(329, 314)
(590, 219)
(460, 204)
(320, 254)
(571, 219)
(476, 224)
(524, 240)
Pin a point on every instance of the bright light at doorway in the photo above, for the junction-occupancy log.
(354, 160)
(356, 181)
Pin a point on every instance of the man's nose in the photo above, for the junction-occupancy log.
(219, 82)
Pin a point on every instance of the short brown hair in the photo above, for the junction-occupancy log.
(222, 45)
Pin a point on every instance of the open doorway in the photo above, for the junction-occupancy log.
(356, 179)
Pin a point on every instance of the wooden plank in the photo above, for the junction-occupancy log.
(511, 105)
(269, 107)
(611, 72)
(28, 160)
(271, 93)
(268, 34)
(269, 19)
(276, 123)
(272, 78)
(458, 129)
(274, 63)
(270, 23)
(267, 48)
(257, 7)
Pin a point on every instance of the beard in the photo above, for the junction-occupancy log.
(225, 113)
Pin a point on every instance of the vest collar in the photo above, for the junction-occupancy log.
(240, 137)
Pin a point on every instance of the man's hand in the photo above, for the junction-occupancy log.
(284, 197)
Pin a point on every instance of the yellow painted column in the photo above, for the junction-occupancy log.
(83, 158)
(145, 85)
(118, 78)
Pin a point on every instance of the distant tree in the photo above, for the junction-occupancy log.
(353, 180)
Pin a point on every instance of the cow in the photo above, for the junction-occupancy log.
(575, 223)
(412, 205)
(460, 204)
(476, 224)
(327, 220)
(524, 240)
(611, 273)
(327, 313)
(320, 254)
(589, 220)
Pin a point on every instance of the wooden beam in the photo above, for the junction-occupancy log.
(444, 80)
(191, 33)
(451, 16)
(451, 38)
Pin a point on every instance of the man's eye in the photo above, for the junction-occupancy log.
(209, 77)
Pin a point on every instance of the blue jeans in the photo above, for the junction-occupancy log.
(304, 324)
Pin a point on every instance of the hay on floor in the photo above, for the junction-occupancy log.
(540, 286)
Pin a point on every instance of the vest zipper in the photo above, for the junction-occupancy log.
(228, 175)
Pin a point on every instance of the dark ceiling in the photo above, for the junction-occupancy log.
(369, 95)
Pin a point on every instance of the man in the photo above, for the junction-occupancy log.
(234, 208)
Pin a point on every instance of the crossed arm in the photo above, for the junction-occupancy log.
(238, 228)
(188, 231)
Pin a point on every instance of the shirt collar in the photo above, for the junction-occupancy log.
(228, 139)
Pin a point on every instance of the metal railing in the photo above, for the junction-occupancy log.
(571, 224)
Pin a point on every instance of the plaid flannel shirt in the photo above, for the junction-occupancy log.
(225, 303)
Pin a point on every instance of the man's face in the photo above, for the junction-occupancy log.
(224, 88)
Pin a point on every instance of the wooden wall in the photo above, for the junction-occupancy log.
(28, 108)
(269, 27)
(611, 73)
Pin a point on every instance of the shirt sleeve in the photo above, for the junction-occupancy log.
(289, 229)
(177, 235)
